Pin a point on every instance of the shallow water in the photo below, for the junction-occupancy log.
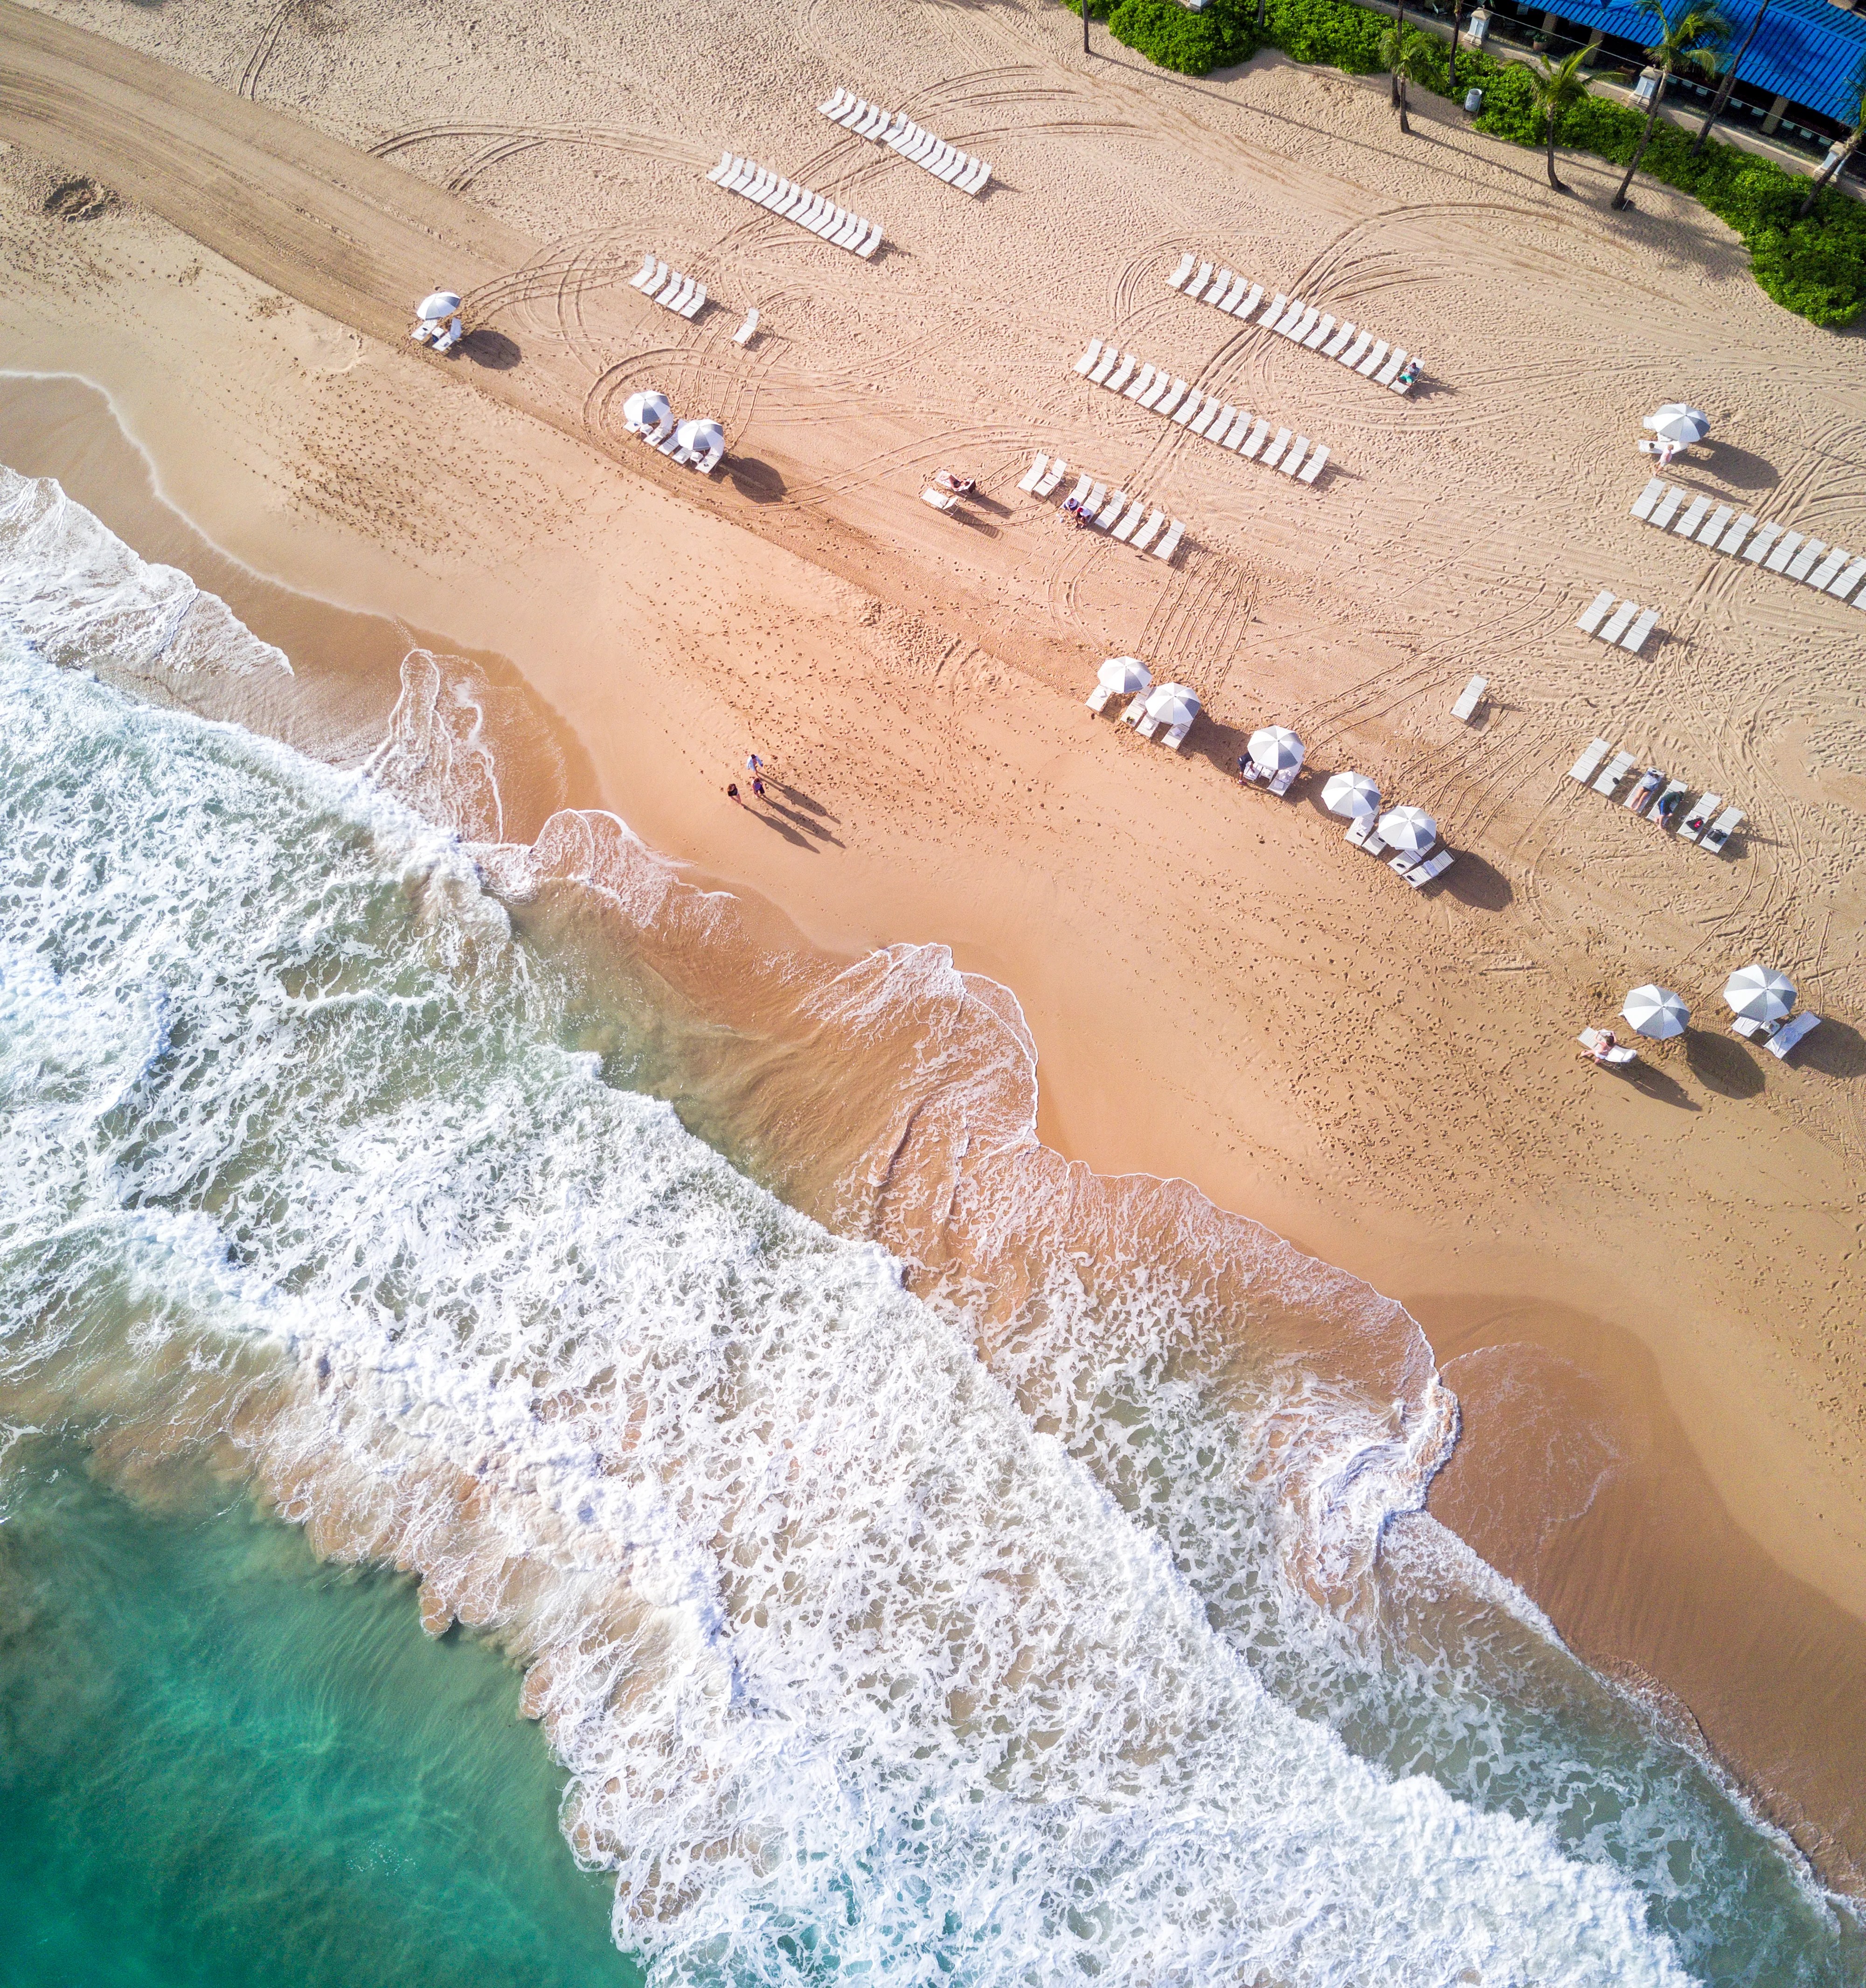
(945, 1567)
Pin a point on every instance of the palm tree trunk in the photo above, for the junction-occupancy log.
(1259, 16)
(1553, 181)
(1401, 93)
(1399, 45)
(1827, 173)
(1451, 73)
(1085, 40)
(1646, 139)
(1728, 84)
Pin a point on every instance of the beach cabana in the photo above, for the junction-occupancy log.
(1409, 829)
(648, 415)
(1656, 1012)
(432, 317)
(1759, 993)
(1351, 794)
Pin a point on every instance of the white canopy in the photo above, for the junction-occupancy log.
(1351, 794)
(1675, 422)
(1173, 703)
(1124, 675)
(1759, 993)
(1275, 748)
(431, 310)
(1410, 828)
(700, 438)
(1656, 1012)
(647, 413)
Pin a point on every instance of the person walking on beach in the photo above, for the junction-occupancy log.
(757, 787)
(754, 765)
(733, 794)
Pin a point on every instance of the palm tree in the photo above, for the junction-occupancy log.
(1729, 82)
(1450, 69)
(1835, 163)
(1556, 88)
(1409, 57)
(1687, 41)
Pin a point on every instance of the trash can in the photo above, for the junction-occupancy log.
(1473, 101)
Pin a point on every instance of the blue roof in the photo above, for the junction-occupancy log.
(1808, 51)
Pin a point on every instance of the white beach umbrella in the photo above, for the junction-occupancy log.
(1172, 704)
(648, 413)
(1656, 1012)
(1675, 422)
(1759, 993)
(1275, 748)
(1124, 675)
(700, 438)
(432, 310)
(1410, 828)
(1351, 794)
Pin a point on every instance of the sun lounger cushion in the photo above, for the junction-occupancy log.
(1313, 467)
(1583, 768)
(1731, 541)
(1721, 829)
(1468, 699)
(1643, 503)
(1790, 1033)
(1614, 625)
(1759, 545)
(1170, 544)
(1177, 280)
(1635, 637)
(1785, 550)
(1033, 475)
(1592, 615)
(1274, 454)
(1618, 768)
(1803, 562)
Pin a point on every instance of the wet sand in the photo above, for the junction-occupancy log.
(1218, 989)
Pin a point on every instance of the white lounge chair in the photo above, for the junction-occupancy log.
(1129, 525)
(1643, 503)
(1843, 584)
(1145, 379)
(1094, 500)
(455, 331)
(1274, 454)
(1687, 526)
(1239, 428)
(973, 180)
(1033, 475)
(1468, 699)
(1732, 540)
(1291, 317)
(1667, 805)
(1712, 529)
(1583, 768)
(1136, 711)
(1213, 411)
(1053, 478)
(1118, 382)
(642, 273)
(1219, 284)
(1173, 394)
(1229, 302)
(743, 335)
(696, 303)
(1617, 769)
(1615, 1058)
(1643, 789)
(1314, 342)
(1371, 365)
(836, 102)
(1303, 325)
(941, 500)
(1144, 537)
(1590, 616)
(1174, 739)
(1242, 312)
(723, 171)
(1758, 546)
(1256, 442)
(1281, 783)
(1111, 510)
(1615, 625)
(1198, 282)
(1786, 547)
(1337, 345)
(1699, 817)
(1802, 563)
(1170, 544)
(1105, 365)
(1081, 490)
(1292, 462)
(708, 463)
(1177, 280)
(1790, 1033)
(1420, 874)
(1189, 407)
(1351, 357)
(1635, 639)
(1720, 830)
(675, 296)
(870, 242)
(1384, 377)
(1667, 507)
(1313, 467)
(1157, 392)
(1097, 699)
(1275, 310)
(1089, 358)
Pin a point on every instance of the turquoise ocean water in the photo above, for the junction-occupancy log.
(1023, 1625)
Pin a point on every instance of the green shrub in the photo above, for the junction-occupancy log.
(1815, 268)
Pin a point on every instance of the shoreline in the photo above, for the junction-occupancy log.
(1433, 1144)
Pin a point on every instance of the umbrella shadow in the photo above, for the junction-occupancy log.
(492, 348)
(757, 480)
(1660, 1085)
(1720, 1064)
(1481, 885)
(1739, 468)
(1835, 1049)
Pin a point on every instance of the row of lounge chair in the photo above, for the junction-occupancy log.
(1123, 517)
(898, 130)
(1416, 871)
(1695, 824)
(660, 285)
(1627, 624)
(1824, 568)
(791, 202)
(1304, 324)
(1157, 390)
(698, 445)
(1778, 1038)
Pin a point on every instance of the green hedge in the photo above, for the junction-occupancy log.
(1815, 268)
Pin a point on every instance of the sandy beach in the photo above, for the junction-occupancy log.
(1646, 1294)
